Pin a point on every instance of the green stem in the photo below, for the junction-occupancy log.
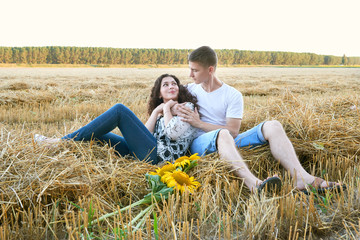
(190, 166)
(145, 211)
(142, 201)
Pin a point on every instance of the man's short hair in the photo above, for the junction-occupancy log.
(204, 55)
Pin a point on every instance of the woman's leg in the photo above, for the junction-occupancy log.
(115, 141)
(141, 143)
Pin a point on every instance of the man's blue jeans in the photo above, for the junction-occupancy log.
(207, 142)
(136, 140)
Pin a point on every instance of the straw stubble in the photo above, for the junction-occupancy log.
(47, 192)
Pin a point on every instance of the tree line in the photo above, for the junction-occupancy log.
(126, 56)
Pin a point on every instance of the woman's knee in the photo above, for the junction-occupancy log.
(119, 106)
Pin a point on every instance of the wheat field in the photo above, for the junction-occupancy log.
(54, 193)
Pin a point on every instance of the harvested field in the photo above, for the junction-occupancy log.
(48, 193)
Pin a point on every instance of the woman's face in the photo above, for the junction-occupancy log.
(169, 90)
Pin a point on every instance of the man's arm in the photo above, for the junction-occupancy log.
(232, 124)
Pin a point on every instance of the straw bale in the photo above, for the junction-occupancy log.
(16, 86)
(71, 169)
(21, 98)
(323, 125)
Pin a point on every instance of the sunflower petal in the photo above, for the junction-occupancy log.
(194, 157)
(180, 180)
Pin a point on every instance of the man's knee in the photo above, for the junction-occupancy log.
(272, 127)
(224, 136)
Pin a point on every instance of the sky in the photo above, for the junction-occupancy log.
(317, 26)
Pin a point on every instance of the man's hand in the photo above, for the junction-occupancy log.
(193, 118)
(189, 116)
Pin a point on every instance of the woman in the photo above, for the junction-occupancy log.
(164, 137)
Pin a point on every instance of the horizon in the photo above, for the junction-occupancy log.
(179, 49)
(321, 27)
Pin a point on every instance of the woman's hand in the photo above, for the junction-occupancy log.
(159, 109)
(175, 109)
(170, 104)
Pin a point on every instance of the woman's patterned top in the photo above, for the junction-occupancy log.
(174, 139)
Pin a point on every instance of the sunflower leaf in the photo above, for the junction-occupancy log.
(158, 188)
(155, 182)
(319, 146)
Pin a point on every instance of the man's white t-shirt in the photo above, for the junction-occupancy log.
(215, 107)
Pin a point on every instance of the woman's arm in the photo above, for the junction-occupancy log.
(167, 111)
(150, 123)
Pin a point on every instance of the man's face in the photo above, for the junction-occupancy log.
(199, 73)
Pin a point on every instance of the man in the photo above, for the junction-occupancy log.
(221, 110)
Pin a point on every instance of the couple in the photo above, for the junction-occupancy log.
(204, 116)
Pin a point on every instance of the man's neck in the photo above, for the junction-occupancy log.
(213, 84)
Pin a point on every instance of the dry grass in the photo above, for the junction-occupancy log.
(48, 193)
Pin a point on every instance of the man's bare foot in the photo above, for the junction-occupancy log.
(320, 186)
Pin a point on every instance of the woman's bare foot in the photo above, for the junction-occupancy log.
(43, 140)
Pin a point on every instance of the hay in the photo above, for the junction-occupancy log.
(50, 192)
(16, 86)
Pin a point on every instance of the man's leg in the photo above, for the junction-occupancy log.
(220, 140)
(228, 151)
(283, 150)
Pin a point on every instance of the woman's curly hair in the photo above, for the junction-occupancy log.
(184, 94)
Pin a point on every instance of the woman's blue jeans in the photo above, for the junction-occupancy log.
(136, 140)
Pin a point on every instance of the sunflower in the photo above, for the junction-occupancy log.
(182, 161)
(194, 157)
(180, 181)
(169, 167)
